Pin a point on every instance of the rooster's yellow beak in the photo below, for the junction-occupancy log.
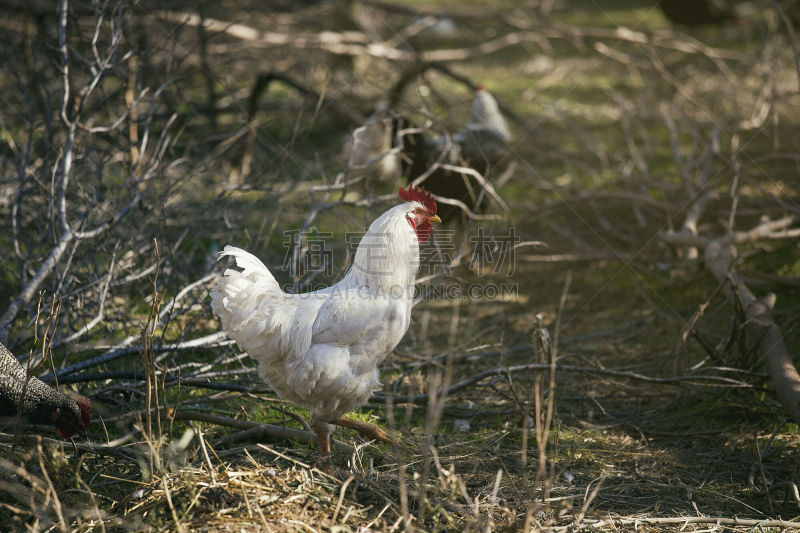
(435, 218)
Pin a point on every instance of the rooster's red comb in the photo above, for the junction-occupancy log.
(479, 87)
(418, 194)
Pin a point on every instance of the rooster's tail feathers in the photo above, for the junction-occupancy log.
(241, 295)
(249, 263)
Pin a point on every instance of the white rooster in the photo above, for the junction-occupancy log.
(321, 350)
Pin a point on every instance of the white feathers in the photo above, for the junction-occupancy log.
(370, 147)
(486, 115)
(321, 349)
(249, 263)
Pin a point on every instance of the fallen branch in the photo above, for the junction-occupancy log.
(355, 43)
(760, 329)
(744, 522)
(169, 380)
(503, 371)
(257, 429)
(125, 348)
(98, 449)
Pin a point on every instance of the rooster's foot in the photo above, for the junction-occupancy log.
(368, 430)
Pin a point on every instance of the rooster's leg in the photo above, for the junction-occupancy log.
(368, 430)
(323, 432)
(324, 443)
